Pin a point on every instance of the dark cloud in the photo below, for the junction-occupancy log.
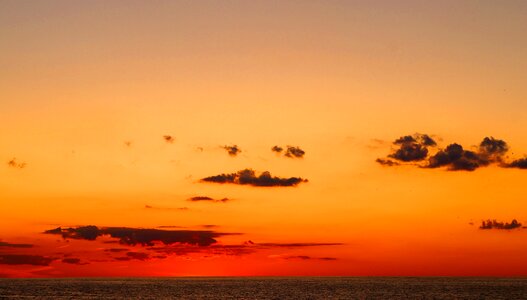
(116, 250)
(207, 199)
(232, 150)
(387, 162)
(294, 152)
(141, 236)
(209, 226)
(454, 157)
(277, 149)
(410, 148)
(493, 224)
(493, 149)
(248, 177)
(9, 245)
(169, 139)
(305, 257)
(73, 261)
(519, 163)
(14, 164)
(138, 255)
(23, 259)
(296, 245)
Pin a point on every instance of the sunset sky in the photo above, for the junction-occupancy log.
(116, 114)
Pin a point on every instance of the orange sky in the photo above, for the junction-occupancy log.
(89, 89)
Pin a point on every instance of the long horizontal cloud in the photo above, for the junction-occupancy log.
(246, 248)
(249, 177)
(144, 237)
(306, 257)
(493, 224)
(207, 199)
(10, 245)
(415, 149)
(24, 259)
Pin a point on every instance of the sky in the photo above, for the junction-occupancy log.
(138, 138)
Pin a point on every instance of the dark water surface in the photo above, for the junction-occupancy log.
(266, 288)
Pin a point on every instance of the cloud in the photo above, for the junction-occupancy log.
(140, 236)
(165, 208)
(73, 261)
(246, 248)
(116, 250)
(207, 199)
(305, 257)
(248, 177)
(387, 162)
(519, 163)
(134, 255)
(232, 150)
(14, 164)
(294, 152)
(454, 157)
(412, 148)
(169, 139)
(296, 245)
(493, 224)
(277, 149)
(9, 245)
(23, 259)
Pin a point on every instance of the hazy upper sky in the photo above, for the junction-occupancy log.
(89, 89)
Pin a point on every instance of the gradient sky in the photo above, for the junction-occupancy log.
(88, 89)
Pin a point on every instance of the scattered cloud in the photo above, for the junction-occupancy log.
(493, 224)
(249, 177)
(140, 236)
(24, 259)
(169, 139)
(13, 163)
(232, 150)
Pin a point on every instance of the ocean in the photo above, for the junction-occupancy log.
(266, 288)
